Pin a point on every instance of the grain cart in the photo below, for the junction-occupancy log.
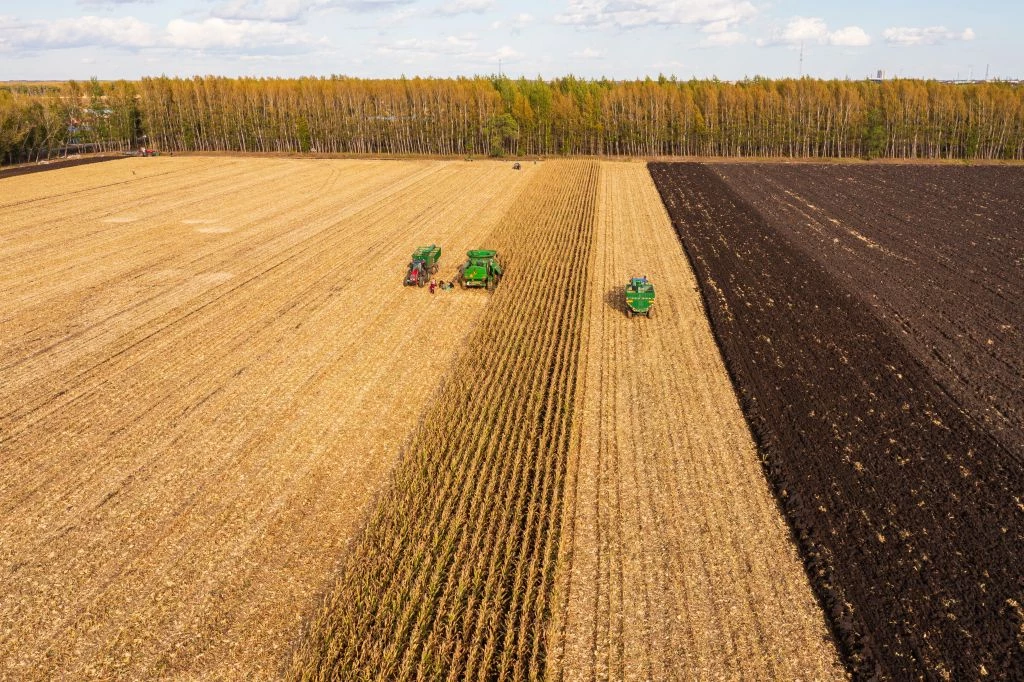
(639, 297)
(481, 269)
(423, 265)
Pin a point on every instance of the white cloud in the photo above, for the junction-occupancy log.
(263, 10)
(454, 7)
(9, 28)
(504, 52)
(522, 20)
(804, 29)
(366, 6)
(636, 13)
(400, 15)
(932, 35)
(100, 3)
(814, 30)
(462, 48)
(588, 53)
(850, 36)
(516, 23)
(450, 45)
(79, 32)
(132, 34)
(220, 34)
(671, 65)
(715, 27)
(724, 39)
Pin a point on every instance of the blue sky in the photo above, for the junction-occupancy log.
(730, 39)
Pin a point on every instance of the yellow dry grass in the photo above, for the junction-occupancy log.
(675, 561)
(208, 368)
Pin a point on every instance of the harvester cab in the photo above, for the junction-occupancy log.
(639, 296)
(422, 265)
(481, 269)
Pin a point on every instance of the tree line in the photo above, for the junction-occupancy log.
(499, 116)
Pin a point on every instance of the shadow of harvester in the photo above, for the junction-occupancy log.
(615, 298)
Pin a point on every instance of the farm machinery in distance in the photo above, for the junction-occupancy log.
(422, 265)
(639, 297)
(481, 269)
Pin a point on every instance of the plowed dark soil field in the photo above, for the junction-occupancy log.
(937, 251)
(902, 486)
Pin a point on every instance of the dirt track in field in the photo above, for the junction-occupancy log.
(676, 561)
(55, 164)
(907, 510)
(196, 357)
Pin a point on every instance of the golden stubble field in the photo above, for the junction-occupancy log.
(233, 442)
(208, 368)
(675, 561)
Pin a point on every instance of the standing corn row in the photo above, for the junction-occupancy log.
(451, 576)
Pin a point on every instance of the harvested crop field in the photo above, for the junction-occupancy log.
(236, 447)
(901, 484)
(209, 367)
(570, 513)
(452, 576)
(676, 563)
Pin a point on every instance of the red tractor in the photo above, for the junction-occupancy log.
(423, 265)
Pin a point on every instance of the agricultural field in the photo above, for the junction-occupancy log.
(937, 252)
(452, 575)
(676, 561)
(870, 319)
(236, 447)
(209, 367)
(561, 429)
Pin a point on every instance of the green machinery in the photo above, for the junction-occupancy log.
(481, 269)
(639, 297)
(423, 265)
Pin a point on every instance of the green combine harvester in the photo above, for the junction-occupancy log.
(481, 269)
(639, 297)
(423, 265)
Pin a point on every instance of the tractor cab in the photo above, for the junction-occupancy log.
(422, 265)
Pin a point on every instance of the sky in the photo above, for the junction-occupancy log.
(617, 39)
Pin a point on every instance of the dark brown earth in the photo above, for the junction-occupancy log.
(26, 168)
(907, 509)
(937, 251)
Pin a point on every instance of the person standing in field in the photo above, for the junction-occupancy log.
(433, 285)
